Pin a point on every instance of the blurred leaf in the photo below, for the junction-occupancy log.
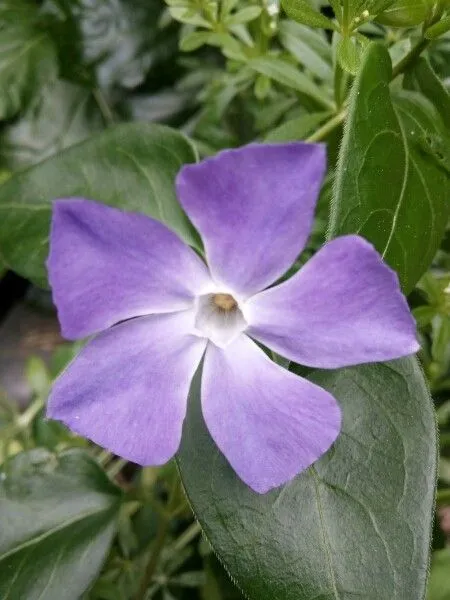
(37, 375)
(440, 347)
(286, 74)
(60, 116)
(118, 40)
(249, 13)
(308, 47)
(424, 315)
(405, 13)
(422, 78)
(296, 129)
(407, 221)
(27, 58)
(444, 471)
(438, 29)
(194, 40)
(348, 54)
(58, 517)
(130, 166)
(343, 528)
(439, 585)
(302, 12)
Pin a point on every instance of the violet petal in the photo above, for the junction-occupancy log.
(269, 423)
(127, 389)
(106, 265)
(254, 208)
(344, 307)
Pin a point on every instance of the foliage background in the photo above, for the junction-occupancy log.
(78, 522)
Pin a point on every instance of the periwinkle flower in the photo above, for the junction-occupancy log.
(157, 309)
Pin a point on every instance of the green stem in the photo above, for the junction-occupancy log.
(160, 540)
(410, 58)
(104, 107)
(401, 66)
(327, 127)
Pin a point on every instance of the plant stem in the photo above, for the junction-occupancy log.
(338, 118)
(327, 127)
(160, 540)
(409, 59)
(103, 106)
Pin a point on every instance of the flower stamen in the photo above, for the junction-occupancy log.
(225, 302)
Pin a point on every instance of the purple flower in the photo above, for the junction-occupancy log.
(158, 309)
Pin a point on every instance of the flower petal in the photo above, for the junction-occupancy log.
(269, 423)
(106, 265)
(344, 307)
(127, 389)
(254, 208)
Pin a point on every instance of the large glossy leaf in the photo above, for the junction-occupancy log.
(357, 524)
(27, 56)
(388, 187)
(131, 166)
(58, 516)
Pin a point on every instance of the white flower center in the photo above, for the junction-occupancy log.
(219, 318)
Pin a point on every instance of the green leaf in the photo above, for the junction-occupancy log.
(343, 528)
(58, 518)
(296, 129)
(60, 116)
(194, 40)
(348, 54)
(287, 75)
(422, 78)
(388, 189)
(27, 61)
(405, 13)
(308, 47)
(131, 166)
(243, 16)
(301, 11)
(438, 29)
(439, 588)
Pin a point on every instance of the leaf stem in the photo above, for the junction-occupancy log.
(327, 127)
(160, 539)
(104, 107)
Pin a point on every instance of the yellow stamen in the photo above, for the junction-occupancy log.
(225, 301)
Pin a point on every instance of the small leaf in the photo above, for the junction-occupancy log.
(243, 16)
(296, 129)
(286, 74)
(194, 40)
(348, 55)
(422, 78)
(302, 12)
(405, 13)
(131, 166)
(309, 48)
(58, 514)
(342, 529)
(438, 29)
